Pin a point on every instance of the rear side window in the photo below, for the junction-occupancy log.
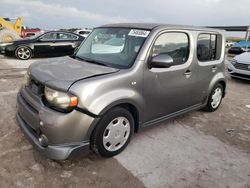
(174, 44)
(84, 32)
(207, 47)
(66, 36)
(49, 36)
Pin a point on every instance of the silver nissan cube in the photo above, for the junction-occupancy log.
(122, 78)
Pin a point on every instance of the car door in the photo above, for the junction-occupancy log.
(66, 43)
(208, 63)
(45, 45)
(168, 90)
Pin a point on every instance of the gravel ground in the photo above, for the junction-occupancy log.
(195, 150)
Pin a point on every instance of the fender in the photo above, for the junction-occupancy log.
(111, 99)
(219, 77)
(120, 96)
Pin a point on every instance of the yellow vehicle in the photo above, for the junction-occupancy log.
(10, 31)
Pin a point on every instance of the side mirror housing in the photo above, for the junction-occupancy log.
(162, 61)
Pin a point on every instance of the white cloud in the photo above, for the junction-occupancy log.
(79, 13)
(62, 11)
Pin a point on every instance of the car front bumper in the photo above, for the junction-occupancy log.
(56, 152)
(2, 50)
(6, 49)
(57, 135)
(238, 73)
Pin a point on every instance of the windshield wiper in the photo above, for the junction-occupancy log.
(91, 61)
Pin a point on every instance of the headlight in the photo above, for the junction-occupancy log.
(233, 62)
(60, 99)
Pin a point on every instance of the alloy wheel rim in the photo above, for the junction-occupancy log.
(216, 97)
(23, 53)
(116, 134)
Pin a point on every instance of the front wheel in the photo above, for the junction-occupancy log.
(215, 98)
(113, 133)
(23, 53)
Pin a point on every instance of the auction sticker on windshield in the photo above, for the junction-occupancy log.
(138, 33)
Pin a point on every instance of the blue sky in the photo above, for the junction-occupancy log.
(54, 14)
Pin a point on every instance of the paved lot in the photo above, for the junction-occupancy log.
(195, 150)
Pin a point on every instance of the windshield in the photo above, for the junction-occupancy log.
(115, 47)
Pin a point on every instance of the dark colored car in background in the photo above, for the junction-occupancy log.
(49, 44)
(240, 47)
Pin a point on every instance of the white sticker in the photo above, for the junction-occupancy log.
(138, 33)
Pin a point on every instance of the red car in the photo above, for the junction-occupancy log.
(27, 32)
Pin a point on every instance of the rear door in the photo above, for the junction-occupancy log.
(66, 43)
(209, 62)
(168, 90)
(45, 45)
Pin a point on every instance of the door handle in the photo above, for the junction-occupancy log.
(214, 68)
(188, 73)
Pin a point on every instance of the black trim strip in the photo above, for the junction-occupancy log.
(87, 112)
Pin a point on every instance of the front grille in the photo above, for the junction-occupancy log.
(241, 75)
(27, 111)
(28, 104)
(36, 87)
(35, 132)
(242, 66)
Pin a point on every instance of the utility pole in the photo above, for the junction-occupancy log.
(247, 33)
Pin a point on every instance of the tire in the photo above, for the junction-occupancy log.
(215, 98)
(23, 53)
(8, 35)
(116, 126)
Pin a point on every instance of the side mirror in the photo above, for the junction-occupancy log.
(39, 39)
(162, 61)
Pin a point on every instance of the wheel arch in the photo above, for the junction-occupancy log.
(218, 78)
(128, 105)
(27, 46)
(223, 83)
(133, 109)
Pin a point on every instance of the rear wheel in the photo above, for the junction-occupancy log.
(113, 132)
(23, 53)
(215, 98)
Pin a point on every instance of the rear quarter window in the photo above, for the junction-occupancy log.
(209, 47)
(67, 36)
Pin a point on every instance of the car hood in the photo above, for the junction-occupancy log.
(15, 42)
(23, 41)
(243, 58)
(60, 73)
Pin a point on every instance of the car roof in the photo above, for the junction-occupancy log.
(83, 30)
(151, 26)
(62, 32)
